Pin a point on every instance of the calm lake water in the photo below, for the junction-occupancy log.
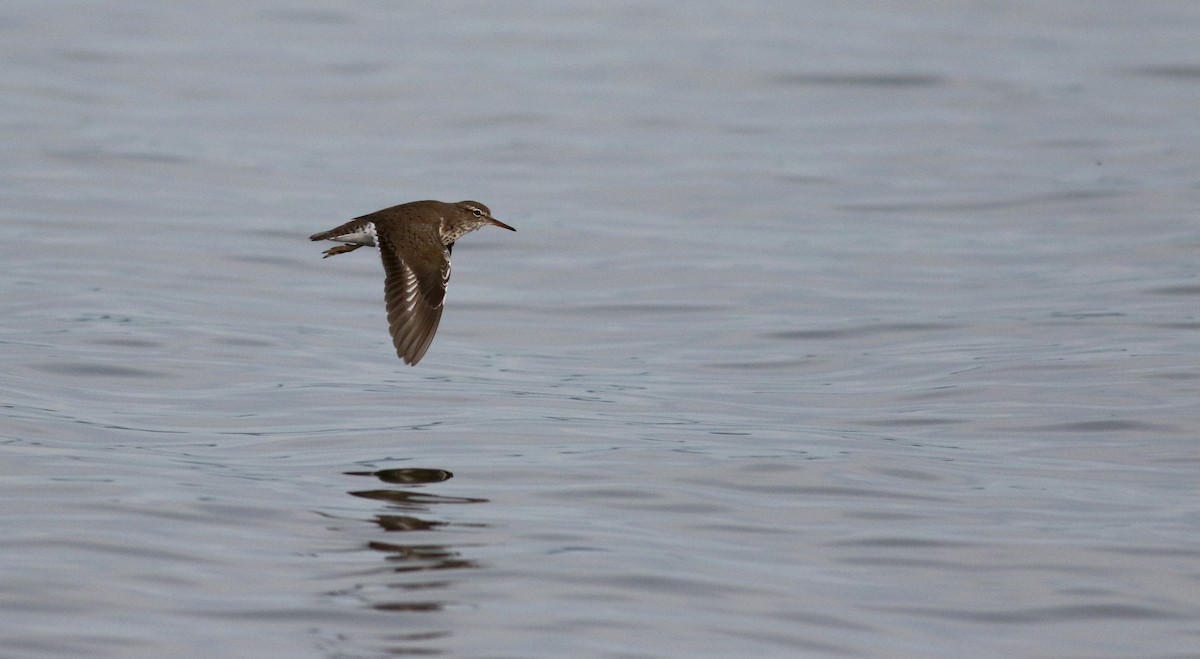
(829, 329)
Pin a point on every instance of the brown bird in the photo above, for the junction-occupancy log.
(414, 240)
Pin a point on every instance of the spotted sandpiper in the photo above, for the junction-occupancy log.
(414, 240)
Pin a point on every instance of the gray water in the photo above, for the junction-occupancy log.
(829, 329)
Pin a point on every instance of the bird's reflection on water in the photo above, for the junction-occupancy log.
(408, 509)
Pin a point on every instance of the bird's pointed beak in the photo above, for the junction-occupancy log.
(495, 222)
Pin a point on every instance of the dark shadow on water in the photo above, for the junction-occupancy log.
(1184, 71)
(859, 331)
(883, 79)
(98, 370)
(409, 583)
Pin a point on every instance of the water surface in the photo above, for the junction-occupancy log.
(828, 330)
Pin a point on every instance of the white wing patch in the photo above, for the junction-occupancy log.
(411, 287)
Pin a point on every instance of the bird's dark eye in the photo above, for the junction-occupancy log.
(476, 212)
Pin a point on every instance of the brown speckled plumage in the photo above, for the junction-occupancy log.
(414, 241)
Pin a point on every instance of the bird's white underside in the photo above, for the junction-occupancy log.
(366, 237)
